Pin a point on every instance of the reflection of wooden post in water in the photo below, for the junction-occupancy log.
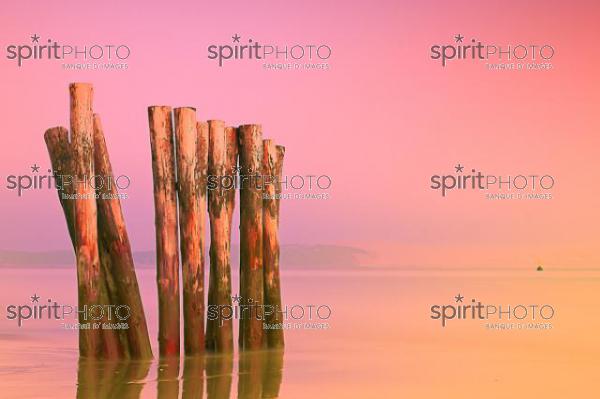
(116, 252)
(251, 369)
(95, 378)
(168, 378)
(251, 238)
(201, 199)
(219, 369)
(222, 157)
(193, 377)
(273, 374)
(165, 205)
(272, 170)
(92, 286)
(130, 385)
(260, 374)
(88, 379)
(189, 229)
(110, 379)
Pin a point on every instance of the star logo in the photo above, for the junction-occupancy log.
(236, 38)
(459, 298)
(35, 38)
(35, 298)
(35, 168)
(459, 38)
(236, 298)
(459, 168)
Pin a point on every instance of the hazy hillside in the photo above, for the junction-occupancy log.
(297, 256)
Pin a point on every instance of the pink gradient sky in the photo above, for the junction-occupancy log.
(380, 122)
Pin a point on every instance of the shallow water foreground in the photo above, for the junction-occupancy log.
(259, 375)
(381, 341)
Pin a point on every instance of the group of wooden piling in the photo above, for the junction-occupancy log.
(184, 153)
(105, 268)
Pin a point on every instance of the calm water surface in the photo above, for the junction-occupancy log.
(380, 342)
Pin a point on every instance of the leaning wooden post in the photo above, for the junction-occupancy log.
(189, 230)
(272, 171)
(112, 294)
(61, 158)
(222, 159)
(165, 206)
(92, 287)
(251, 238)
(115, 246)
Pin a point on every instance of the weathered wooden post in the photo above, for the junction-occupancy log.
(272, 171)
(61, 158)
(92, 286)
(189, 228)
(201, 179)
(116, 251)
(251, 238)
(222, 159)
(165, 204)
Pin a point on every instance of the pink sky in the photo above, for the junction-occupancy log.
(380, 122)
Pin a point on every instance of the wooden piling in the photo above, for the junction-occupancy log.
(165, 204)
(272, 170)
(189, 230)
(92, 286)
(251, 238)
(201, 173)
(222, 159)
(202, 201)
(112, 295)
(61, 159)
(115, 247)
